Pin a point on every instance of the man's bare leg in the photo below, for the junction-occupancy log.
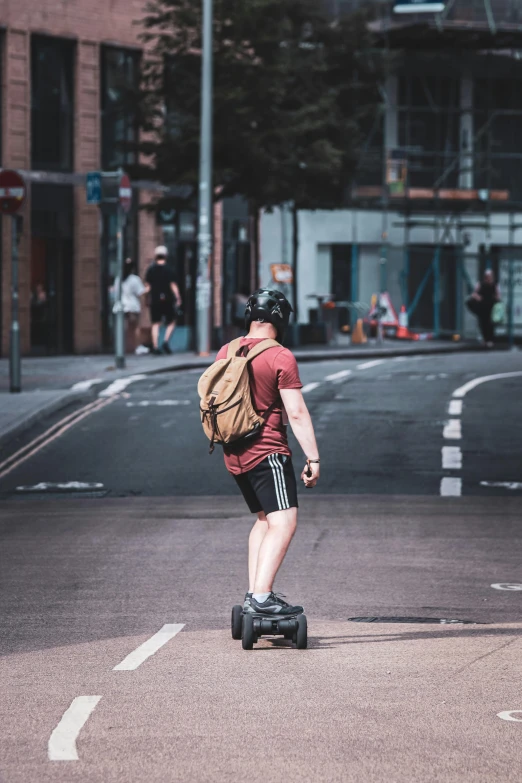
(281, 528)
(168, 331)
(155, 335)
(255, 540)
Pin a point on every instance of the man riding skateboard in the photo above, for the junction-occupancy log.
(263, 469)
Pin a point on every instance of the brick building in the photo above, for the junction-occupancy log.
(63, 65)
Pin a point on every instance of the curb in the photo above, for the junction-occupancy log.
(47, 409)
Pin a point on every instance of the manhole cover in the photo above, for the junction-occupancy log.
(426, 620)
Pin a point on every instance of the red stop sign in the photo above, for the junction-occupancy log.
(125, 192)
(12, 191)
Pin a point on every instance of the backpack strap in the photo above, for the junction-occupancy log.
(233, 347)
(260, 347)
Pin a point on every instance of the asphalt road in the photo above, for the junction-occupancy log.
(87, 578)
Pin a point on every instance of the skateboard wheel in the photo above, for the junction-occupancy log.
(302, 633)
(237, 621)
(247, 634)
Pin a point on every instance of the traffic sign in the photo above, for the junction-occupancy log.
(125, 192)
(94, 187)
(12, 191)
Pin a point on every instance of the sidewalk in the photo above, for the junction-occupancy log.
(49, 383)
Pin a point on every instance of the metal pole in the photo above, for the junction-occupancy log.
(511, 283)
(119, 327)
(14, 354)
(204, 279)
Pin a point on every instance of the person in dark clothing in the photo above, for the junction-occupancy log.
(164, 299)
(486, 294)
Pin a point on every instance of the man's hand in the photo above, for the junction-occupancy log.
(310, 474)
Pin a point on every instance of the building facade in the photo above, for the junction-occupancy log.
(437, 196)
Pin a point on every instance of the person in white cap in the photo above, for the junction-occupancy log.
(164, 299)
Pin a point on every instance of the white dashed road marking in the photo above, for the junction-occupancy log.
(337, 376)
(509, 715)
(309, 387)
(119, 385)
(158, 403)
(455, 408)
(49, 486)
(452, 430)
(148, 648)
(510, 586)
(451, 458)
(86, 385)
(463, 390)
(503, 484)
(62, 742)
(451, 486)
(367, 365)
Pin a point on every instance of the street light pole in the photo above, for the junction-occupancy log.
(119, 325)
(204, 275)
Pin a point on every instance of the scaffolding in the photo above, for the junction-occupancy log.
(445, 146)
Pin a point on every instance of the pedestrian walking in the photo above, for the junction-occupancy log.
(165, 299)
(132, 289)
(261, 462)
(481, 303)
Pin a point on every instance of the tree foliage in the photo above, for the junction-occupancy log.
(291, 92)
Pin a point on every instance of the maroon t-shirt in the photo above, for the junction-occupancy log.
(272, 370)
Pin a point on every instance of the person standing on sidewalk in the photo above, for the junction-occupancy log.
(132, 289)
(263, 470)
(486, 294)
(164, 299)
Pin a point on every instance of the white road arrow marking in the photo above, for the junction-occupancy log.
(148, 648)
(463, 390)
(62, 742)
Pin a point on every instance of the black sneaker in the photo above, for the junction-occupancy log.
(274, 604)
(156, 352)
(166, 348)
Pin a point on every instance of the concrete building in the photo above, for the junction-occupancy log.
(438, 195)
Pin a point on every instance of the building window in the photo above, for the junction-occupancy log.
(120, 83)
(52, 104)
(429, 111)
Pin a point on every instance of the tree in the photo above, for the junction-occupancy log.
(290, 90)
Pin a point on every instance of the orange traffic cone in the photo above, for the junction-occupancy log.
(358, 336)
(403, 333)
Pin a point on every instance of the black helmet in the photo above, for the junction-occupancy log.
(269, 306)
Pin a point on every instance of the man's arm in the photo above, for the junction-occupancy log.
(303, 429)
(175, 290)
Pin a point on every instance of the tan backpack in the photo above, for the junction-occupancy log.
(227, 412)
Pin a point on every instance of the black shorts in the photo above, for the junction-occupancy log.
(163, 310)
(270, 486)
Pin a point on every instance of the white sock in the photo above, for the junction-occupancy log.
(260, 597)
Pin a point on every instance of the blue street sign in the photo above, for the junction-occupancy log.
(93, 185)
(419, 6)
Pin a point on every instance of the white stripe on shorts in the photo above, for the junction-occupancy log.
(283, 480)
(276, 481)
